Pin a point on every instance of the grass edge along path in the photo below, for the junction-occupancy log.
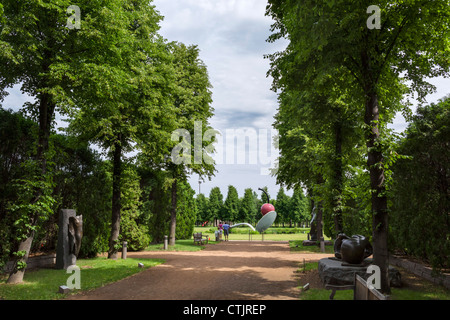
(180, 245)
(421, 289)
(271, 234)
(43, 284)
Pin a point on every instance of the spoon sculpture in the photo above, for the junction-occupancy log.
(269, 216)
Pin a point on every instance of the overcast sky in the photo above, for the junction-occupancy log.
(231, 36)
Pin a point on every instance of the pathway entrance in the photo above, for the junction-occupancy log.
(232, 270)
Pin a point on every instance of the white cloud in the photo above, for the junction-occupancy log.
(442, 89)
(15, 99)
(231, 36)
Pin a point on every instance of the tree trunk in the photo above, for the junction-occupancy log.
(319, 217)
(116, 200)
(377, 185)
(16, 275)
(319, 223)
(173, 214)
(46, 110)
(338, 179)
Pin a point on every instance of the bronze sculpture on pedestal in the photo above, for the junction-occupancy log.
(75, 234)
(352, 250)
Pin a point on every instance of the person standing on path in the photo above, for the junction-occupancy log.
(220, 230)
(226, 228)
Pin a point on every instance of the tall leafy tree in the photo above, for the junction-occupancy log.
(299, 206)
(215, 204)
(231, 205)
(186, 211)
(132, 228)
(283, 208)
(247, 206)
(330, 38)
(191, 99)
(36, 40)
(202, 208)
(156, 198)
(303, 152)
(258, 203)
(83, 183)
(127, 77)
(17, 136)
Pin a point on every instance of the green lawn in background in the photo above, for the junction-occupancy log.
(43, 284)
(271, 234)
(180, 245)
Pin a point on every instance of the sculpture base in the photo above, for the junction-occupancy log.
(335, 272)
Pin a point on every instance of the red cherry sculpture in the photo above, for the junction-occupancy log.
(266, 208)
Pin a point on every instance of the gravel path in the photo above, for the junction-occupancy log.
(232, 270)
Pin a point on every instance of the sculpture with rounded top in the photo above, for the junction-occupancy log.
(352, 250)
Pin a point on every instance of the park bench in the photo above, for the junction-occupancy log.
(361, 290)
(199, 238)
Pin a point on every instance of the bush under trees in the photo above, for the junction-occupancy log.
(419, 217)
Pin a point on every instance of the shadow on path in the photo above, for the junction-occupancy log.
(234, 270)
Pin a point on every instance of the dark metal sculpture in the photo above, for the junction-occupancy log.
(267, 195)
(352, 250)
(313, 224)
(70, 234)
(75, 234)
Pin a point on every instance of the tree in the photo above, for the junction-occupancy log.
(258, 204)
(37, 42)
(186, 211)
(17, 135)
(298, 206)
(82, 182)
(132, 230)
(156, 201)
(325, 43)
(126, 75)
(247, 207)
(202, 208)
(420, 192)
(283, 209)
(320, 139)
(32, 34)
(215, 204)
(191, 99)
(231, 205)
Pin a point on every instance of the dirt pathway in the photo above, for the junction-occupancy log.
(234, 270)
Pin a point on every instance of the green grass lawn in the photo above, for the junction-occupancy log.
(271, 234)
(297, 246)
(432, 293)
(295, 240)
(180, 245)
(425, 290)
(43, 284)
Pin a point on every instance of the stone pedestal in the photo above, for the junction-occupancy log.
(338, 273)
